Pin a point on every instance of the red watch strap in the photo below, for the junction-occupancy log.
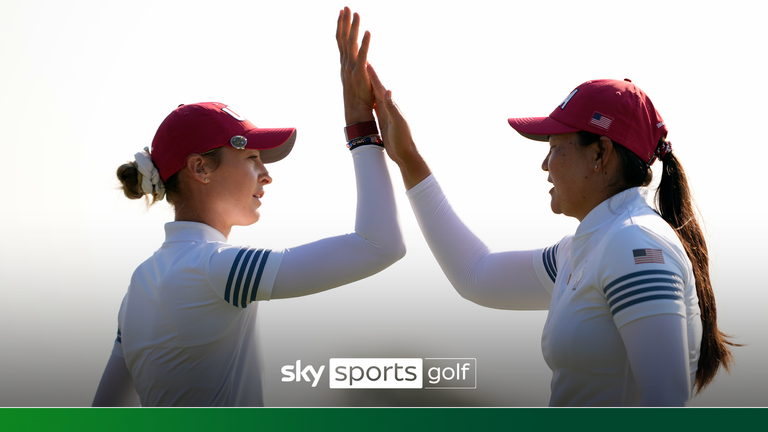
(360, 129)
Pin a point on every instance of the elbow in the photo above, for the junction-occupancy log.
(387, 250)
(472, 295)
(471, 292)
(488, 295)
(399, 250)
(393, 252)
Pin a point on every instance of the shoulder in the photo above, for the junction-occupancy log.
(551, 258)
(643, 270)
(643, 238)
(560, 249)
(242, 274)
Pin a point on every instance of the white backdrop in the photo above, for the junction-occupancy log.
(86, 83)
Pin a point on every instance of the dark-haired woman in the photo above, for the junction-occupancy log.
(187, 331)
(632, 317)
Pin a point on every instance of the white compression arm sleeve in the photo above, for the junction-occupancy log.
(657, 347)
(376, 243)
(504, 280)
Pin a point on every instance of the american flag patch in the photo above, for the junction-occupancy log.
(600, 120)
(648, 256)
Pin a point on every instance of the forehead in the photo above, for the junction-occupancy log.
(231, 154)
(240, 152)
(563, 138)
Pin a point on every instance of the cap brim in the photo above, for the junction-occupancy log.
(274, 144)
(539, 128)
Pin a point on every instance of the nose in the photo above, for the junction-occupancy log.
(545, 163)
(265, 178)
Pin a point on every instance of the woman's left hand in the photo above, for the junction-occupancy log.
(358, 93)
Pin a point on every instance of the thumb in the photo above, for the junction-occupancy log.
(392, 109)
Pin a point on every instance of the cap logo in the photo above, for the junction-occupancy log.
(234, 115)
(238, 142)
(568, 99)
(601, 120)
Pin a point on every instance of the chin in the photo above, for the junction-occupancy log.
(555, 207)
(250, 220)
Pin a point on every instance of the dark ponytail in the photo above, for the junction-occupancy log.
(675, 205)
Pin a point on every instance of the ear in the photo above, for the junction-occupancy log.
(604, 154)
(196, 168)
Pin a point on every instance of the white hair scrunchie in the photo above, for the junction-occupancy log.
(149, 176)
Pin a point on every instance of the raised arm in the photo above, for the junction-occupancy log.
(377, 241)
(358, 94)
(506, 280)
(397, 135)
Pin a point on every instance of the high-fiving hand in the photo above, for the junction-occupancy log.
(364, 92)
(396, 135)
(358, 94)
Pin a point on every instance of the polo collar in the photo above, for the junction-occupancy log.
(588, 233)
(610, 208)
(184, 231)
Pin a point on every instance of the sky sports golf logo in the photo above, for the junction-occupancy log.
(388, 373)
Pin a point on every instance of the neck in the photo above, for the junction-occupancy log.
(188, 213)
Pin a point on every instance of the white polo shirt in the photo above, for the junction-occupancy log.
(187, 325)
(624, 263)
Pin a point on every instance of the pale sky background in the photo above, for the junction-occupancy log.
(85, 84)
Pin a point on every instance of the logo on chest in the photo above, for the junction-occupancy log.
(579, 274)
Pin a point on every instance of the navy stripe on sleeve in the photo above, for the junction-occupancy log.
(232, 272)
(119, 338)
(240, 276)
(247, 286)
(258, 274)
(245, 276)
(549, 257)
(640, 287)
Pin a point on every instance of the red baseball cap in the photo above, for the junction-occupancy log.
(199, 127)
(612, 108)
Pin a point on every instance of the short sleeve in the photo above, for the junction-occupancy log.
(241, 275)
(546, 261)
(642, 274)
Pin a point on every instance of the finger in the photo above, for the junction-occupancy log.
(345, 22)
(338, 29)
(383, 118)
(378, 87)
(393, 111)
(352, 39)
(362, 54)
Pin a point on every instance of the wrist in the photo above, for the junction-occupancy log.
(360, 129)
(358, 116)
(414, 170)
(365, 140)
(405, 155)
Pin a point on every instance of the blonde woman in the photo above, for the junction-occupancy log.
(187, 331)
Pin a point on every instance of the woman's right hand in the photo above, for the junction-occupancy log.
(396, 135)
(358, 95)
